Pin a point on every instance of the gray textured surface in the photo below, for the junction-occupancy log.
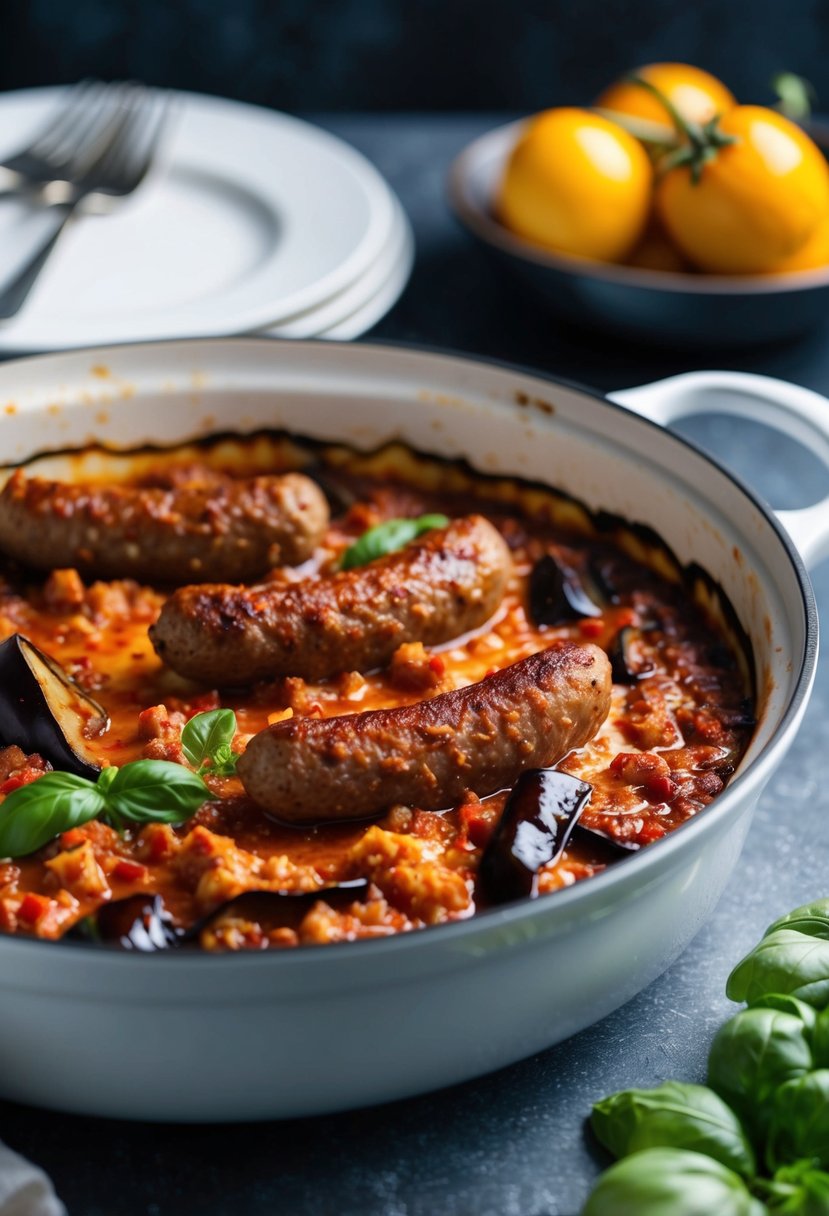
(512, 1144)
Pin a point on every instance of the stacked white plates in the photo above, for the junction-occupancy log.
(251, 222)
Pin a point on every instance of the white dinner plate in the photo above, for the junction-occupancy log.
(252, 217)
(373, 310)
(363, 303)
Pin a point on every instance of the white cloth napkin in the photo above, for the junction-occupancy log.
(24, 1189)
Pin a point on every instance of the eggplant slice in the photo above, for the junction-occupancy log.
(43, 710)
(535, 825)
(142, 922)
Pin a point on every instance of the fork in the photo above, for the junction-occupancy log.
(73, 135)
(121, 162)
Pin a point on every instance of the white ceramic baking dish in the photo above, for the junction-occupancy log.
(201, 1037)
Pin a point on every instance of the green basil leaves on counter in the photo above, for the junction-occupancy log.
(757, 1140)
(798, 1190)
(751, 1056)
(143, 791)
(206, 742)
(785, 961)
(674, 1115)
(800, 1121)
(792, 958)
(387, 537)
(807, 1014)
(671, 1182)
(811, 919)
(820, 1040)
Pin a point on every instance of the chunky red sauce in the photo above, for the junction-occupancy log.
(673, 736)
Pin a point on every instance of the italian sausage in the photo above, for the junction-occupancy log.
(206, 525)
(447, 582)
(479, 738)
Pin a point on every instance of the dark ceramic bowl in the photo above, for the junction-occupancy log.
(656, 306)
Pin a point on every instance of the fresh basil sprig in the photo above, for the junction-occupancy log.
(206, 742)
(34, 814)
(387, 537)
(674, 1115)
(792, 958)
(143, 791)
(671, 1182)
(798, 1190)
(800, 1121)
(689, 1151)
(752, 1055)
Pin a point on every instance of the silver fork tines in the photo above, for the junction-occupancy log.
(69, 137)
(129, 156)
(98, 150)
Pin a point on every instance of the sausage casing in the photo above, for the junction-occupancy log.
(428, 755)
(449, 581)
(210, 526)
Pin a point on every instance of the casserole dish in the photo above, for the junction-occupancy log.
(203, 1037)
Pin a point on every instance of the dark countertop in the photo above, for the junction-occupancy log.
(513, 1143)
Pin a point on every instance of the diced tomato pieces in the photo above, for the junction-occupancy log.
(476, 824)
(33, 907)
(437, 665)
(129, 871)
(72, 838)
(591, 627)
(23, 776)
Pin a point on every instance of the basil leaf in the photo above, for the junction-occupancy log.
(34, 814)
(790, 1004)
(674, 1115)
(155, 791)
(670, 1182)
(786, 962)
(798, 1190)
(205, 734)
(820, 1040)
(387, 537)
(811, 919)
(800, 1121)
(224, 761)
(753, 1054)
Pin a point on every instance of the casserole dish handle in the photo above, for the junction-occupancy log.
(796, 411)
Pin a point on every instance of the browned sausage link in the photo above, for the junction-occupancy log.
(449, 581)
(211, 526)
(480, 738)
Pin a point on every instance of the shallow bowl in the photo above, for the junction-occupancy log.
(667, 308)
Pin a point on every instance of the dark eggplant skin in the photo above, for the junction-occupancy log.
(556, 594)
(43, 710)
(535, 825)
(623, 671)
(142, 923)
(603, 849)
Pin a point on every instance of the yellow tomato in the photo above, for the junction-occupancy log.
(811, 256)
(697, 95)
(757, 201)
(577, 183)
